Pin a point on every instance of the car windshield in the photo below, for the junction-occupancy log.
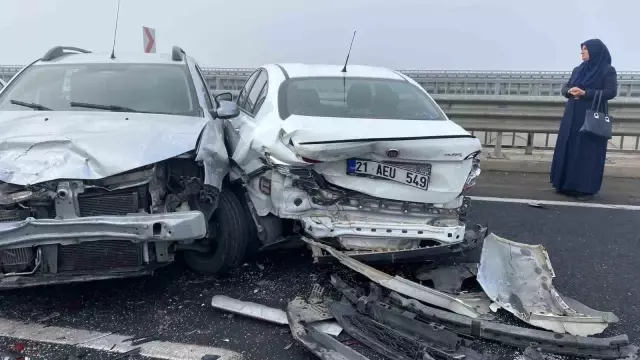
(356, 98)
(151, 88)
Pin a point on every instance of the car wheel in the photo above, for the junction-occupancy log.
(228, 241)
(254, 244)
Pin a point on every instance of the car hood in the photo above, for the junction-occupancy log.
(41, 146)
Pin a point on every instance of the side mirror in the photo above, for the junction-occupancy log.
(225, 96)
(227, 110)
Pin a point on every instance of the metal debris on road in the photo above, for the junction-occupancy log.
(252, 310)
(518, 278)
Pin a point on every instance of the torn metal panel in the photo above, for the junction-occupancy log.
(562, 344)
(448, 279)
(250, 309)
(301, 317)
(404, 286)
(518, 278)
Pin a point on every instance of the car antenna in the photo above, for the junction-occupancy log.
(115, 32)
(344, 69)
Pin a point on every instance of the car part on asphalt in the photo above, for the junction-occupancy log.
(562, 344)
(447, 279)
(518, 277)
(301, 315)
(250, 309)
(407, 287)
(405, 344)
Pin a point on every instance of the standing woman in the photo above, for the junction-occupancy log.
(578, 160)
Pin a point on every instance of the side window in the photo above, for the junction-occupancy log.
(261, 97)
(252, 99)
(242, 97)
(204, 84)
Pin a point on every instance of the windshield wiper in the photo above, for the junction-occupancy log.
(102, 107)
(30, 105)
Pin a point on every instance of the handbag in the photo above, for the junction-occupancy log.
(596, 122)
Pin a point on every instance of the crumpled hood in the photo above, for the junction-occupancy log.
(41, 146)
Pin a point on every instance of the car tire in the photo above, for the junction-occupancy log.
(253, 244)
(232, 233)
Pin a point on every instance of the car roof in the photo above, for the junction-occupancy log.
(121, 58)
(320, 70)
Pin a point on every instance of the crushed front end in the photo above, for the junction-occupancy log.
(69, 231)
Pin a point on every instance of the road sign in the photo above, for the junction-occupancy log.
(149, 39)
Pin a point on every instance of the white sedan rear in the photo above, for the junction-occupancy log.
(364, 158)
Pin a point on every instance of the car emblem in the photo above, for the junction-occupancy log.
(393, 153)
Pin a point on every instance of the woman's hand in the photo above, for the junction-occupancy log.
(576, 92)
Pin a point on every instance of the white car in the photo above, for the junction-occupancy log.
(364, 159)
(111, 165)
(2, 84)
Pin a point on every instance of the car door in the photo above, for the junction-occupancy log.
(232, 126)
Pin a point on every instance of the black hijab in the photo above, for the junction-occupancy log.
(590, 71)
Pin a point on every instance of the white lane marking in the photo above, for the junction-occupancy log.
(109, 342)
(557, 203)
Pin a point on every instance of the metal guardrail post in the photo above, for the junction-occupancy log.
(497, 150)
(529, 149)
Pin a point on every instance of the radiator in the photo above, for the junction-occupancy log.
(99, 255)
(112, 203)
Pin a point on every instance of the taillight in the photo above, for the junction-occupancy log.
(473, 174)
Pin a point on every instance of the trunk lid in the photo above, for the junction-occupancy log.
(426, 161)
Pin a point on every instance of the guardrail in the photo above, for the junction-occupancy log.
(504, 109)
(533, 122)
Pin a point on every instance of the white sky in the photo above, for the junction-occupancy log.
(400, 34)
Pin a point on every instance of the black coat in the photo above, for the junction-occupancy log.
(578, 159)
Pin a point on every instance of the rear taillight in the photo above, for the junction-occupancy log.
(473, 174)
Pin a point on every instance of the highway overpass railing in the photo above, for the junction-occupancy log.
(504, 109)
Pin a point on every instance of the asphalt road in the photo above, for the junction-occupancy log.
(594, 253)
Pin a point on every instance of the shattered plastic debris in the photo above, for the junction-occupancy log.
(448, 279)
(518, 277)
(407, 287)
(253, 310)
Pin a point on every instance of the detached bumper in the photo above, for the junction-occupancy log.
(178, 226)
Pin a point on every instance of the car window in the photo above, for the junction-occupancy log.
(205, 88)
(368, 98)
(261, 98)
(252, 99)
(244, 93)
(153, 88)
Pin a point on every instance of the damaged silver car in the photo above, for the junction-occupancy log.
(362, 158)
(110, 165)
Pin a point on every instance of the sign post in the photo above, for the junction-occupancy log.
(149, 39)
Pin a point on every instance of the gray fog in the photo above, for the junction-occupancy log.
(400, 34)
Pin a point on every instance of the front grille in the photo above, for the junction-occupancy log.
(99, 255)
(13, 215)
(109, 203)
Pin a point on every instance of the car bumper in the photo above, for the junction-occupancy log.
(178, 226)
(468, 250)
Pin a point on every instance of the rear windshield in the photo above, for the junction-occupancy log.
(356, 98)
(153, 88)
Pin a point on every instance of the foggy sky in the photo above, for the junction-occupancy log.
(400, 34)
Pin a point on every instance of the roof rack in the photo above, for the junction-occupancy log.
(58, 51)
(177, 54)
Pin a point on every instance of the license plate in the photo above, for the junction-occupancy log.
(394, 172)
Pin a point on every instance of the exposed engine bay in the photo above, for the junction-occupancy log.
(123, 225)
